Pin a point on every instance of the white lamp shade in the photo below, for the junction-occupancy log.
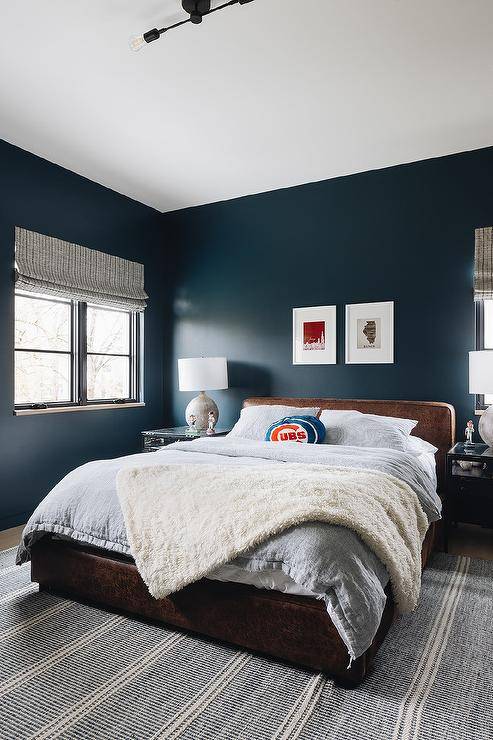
(481, 371)
(203, 373)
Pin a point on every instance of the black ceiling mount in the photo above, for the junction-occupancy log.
(196, 9)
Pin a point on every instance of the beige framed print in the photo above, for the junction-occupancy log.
(314, 335)
(370, 333)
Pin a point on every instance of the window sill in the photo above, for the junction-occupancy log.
(64, 409)
(479, 412)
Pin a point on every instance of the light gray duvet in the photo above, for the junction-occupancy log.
(328, 560)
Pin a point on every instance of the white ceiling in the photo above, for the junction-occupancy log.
(261, 96)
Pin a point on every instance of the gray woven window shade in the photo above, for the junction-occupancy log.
(483, 264)
(49, 265)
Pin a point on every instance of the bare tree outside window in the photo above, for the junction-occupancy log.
(488, 337)
(43, 350)
(108, 353)
(47, 366)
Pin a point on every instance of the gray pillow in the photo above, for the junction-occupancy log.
(362, 430)
(255, 420)
(405, 425)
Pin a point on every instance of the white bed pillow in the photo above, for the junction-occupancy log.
(362, 430)
(418, 445)
(255, 420)
(405, 425)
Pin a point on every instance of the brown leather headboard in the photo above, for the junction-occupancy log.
(436, 421)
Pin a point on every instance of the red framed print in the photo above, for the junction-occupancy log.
(314, 335)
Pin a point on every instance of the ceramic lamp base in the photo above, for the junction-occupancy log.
(200, 407)
(486, 426)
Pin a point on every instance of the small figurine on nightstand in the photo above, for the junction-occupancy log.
(469, 447)
(469, 432)
(212, 423)
(192, 420)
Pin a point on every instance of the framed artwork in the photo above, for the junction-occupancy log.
(370, 333)
(314, 335)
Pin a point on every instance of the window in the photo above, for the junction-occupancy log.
(71, 353)
(484, 340)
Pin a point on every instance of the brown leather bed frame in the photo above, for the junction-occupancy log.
(292, 628)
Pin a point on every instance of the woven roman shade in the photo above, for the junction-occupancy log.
(483, 264)
(48, 265)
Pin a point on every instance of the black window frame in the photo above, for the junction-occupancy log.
(78, 358)
(479, 322)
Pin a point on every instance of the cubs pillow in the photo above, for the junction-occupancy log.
(304, 429)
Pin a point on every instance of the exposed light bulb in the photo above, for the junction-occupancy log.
(136, 42)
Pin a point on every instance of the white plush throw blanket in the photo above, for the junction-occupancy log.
(184, 521)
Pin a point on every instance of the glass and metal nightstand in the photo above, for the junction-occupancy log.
(469, 486)
(156, 439)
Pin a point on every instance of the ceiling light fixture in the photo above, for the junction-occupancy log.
(196, 9)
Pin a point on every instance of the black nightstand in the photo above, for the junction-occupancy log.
(158, 438)
(469, 492)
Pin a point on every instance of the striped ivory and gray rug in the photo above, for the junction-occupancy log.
(72, 671)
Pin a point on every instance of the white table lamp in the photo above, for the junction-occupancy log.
(481, 382)
(202, 374)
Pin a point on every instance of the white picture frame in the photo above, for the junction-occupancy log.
(315, 335)
(370, 333)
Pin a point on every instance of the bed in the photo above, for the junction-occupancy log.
(286, 626)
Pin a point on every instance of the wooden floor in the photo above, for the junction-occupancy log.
(10, 537)
(466, 539)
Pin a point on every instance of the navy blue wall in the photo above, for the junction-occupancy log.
(36, 451)
(227, 275)
(404, 234)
